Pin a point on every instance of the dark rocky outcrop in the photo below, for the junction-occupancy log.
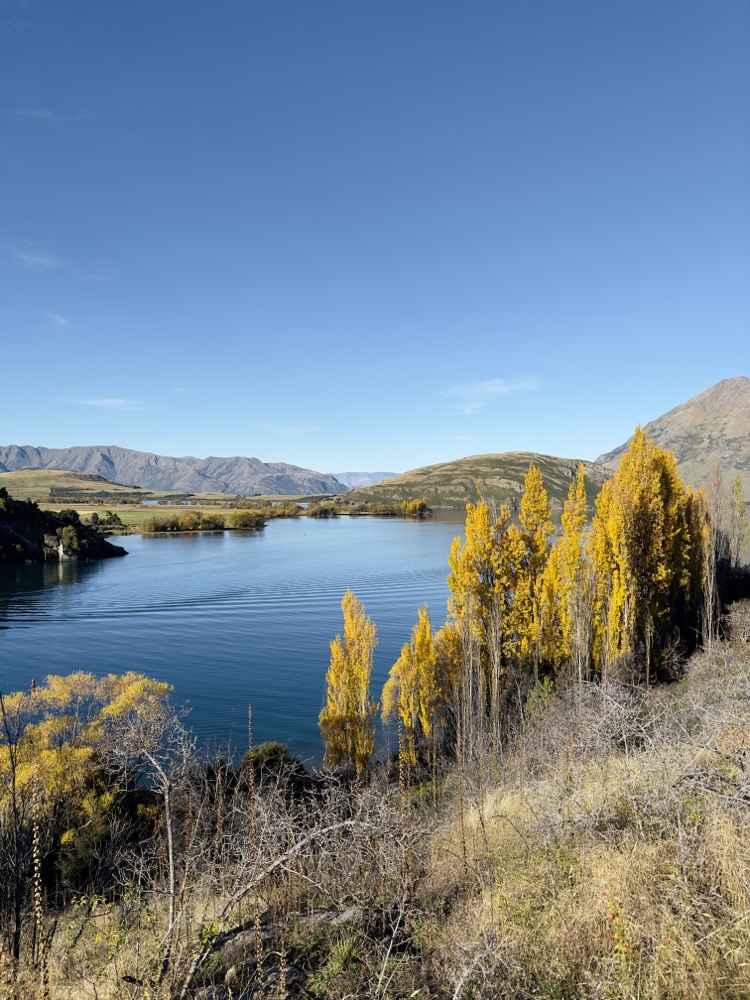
(28, 534)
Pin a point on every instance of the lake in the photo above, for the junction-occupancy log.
(229, 619)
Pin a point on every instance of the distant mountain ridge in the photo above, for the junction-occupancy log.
(711, 429)
(352, 480)
(234, 475)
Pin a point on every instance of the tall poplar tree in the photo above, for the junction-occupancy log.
(420, 685)
(494, 600)
(537, 529)
(644, 556)
(410, 689)
(347, 721)
(565, 589)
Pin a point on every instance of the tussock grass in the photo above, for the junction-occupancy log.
(602, 853)
(615, 860)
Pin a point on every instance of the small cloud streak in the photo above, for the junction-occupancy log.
(288, 428)
(38, 261)
(34, 258)
(473, 396)
(59, 321)
(129, 405)
(99, 275)
(44, 114)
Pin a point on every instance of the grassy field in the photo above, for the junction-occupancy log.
(38, 484)
(133, 515)
(90, 494)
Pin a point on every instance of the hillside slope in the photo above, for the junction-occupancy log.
(500, 478)
(234, 475)
(710, 429)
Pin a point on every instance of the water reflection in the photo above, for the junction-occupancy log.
(229, 618)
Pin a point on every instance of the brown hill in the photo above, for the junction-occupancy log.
(500, 477)
(710, 429)
(237, 474)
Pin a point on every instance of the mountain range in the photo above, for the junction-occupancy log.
(237, 475)
(709, 430)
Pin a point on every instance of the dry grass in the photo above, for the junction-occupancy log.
(604, 856)
(616, 861)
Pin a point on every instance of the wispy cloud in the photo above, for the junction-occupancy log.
(131, 405)
(59, 321)
(473, 396)
(37, 260)
(45, 114)
(19, 23)
(289, 428)
(98, 273)
(34, 257)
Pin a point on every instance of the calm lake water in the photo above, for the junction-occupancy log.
(229, 619)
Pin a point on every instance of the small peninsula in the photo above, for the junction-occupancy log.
(29, 534)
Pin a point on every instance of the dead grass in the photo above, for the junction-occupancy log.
(604, 856)
(616, 862)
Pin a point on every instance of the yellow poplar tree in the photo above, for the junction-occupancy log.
(347, 721)
(534, 517)
(564, 595)
(420, 685)
(643, 553)
(475, 607)
(537, 529)
(474, 573)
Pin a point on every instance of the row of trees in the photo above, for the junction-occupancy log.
(627, 594)
(203, 520)
(255, 514)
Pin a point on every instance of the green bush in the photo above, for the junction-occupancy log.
(385, 510)
(189, 521)
(211, 521)
(169, 523)
(246, 519)
(69, 538)
(70, 515)
(322, 510)
(287, 509)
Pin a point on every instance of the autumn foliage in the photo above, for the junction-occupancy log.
(347, 721)
(625, 593)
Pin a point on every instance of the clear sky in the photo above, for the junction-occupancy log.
(369, 234)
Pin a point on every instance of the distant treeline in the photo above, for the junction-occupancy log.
(253, 514)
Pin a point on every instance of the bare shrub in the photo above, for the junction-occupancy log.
(737, 621)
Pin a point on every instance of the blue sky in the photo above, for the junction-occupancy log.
(369, 235)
